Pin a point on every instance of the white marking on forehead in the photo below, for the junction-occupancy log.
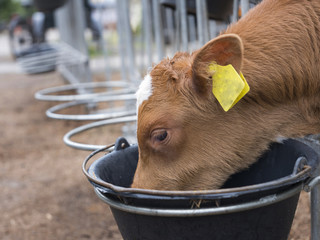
(144, 91)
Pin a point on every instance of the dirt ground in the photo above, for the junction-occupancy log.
(44, 194)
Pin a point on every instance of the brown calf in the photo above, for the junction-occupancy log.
(188, 142)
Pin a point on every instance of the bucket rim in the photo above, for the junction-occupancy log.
(197, 212)
(107, 187)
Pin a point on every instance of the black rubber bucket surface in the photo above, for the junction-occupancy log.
(246, 225)
(269, 178)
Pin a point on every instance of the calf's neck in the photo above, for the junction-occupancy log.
(188, 142)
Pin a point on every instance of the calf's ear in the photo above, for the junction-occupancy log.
(223, 50)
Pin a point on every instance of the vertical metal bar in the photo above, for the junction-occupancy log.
(132, 69)
(245, 6)
(199, 22)
(184, 26)
(315, 211)
(205, 20)
(127, 49)
(147, 29)
(213, 28)
(235, 11)
(202, 18)
(158, 29)
(141, 39)
(103, 45)
(121, 43)
(70, 20)
(313, 142)
(192, 28)
(169, 14)
(178, 29)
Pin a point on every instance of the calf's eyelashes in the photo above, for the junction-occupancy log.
(159, 135)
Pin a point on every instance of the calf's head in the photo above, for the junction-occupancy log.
(181, 128)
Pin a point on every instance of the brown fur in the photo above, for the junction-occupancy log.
(277, 47)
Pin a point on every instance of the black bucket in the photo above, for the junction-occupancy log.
(258, 203)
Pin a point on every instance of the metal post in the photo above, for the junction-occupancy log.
(184, 27)
(314, 187)
(158, 29)
(103, 45)
(70, 20)
(235, 11)
(121, 43)
(213, 28)
(206, 21)
(315, 210)
(245, 6)
(147, 30)
(177, 44)
(192, 28)
(171, 31)
(128, 40)
(202, 20)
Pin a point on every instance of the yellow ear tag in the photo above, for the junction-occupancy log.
(227, 85)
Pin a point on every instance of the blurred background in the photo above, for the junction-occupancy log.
(68, 73)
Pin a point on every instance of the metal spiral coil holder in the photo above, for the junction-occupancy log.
(46, 57)
(89, 147)
(95, 115)
(116, 91)
(47, 94)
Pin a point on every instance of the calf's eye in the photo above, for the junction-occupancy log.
(159, 135)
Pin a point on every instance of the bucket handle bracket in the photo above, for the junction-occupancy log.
(121, 144)
(310, 185)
